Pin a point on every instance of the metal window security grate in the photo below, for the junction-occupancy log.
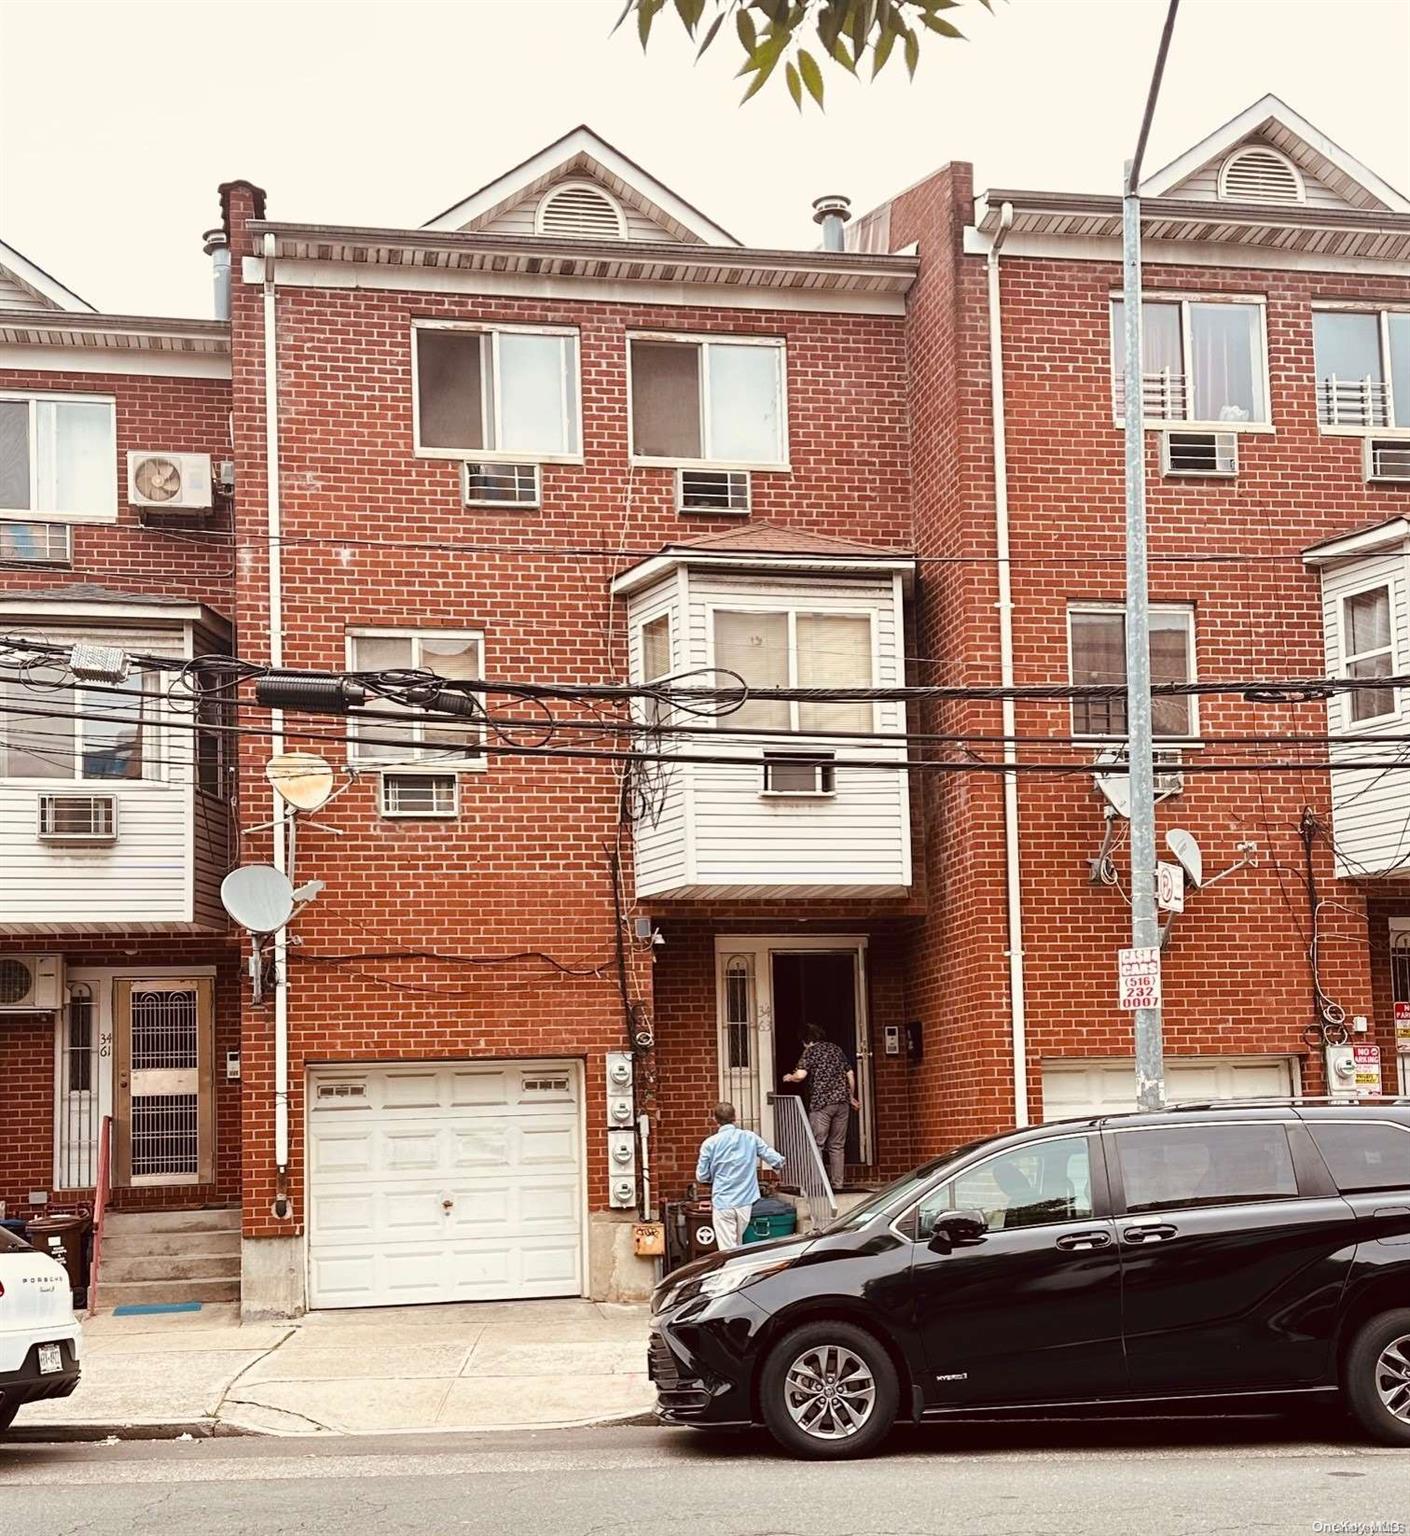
(501, 485)
(1388, 459)
(712, 490)
(1363, 402)
(165, 1135)
(164, 1031)
(1163, 395)
(36, 544)
(78, 1101)
(420, 794)
(78, 818)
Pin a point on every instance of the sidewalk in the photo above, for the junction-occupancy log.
(487, 1366)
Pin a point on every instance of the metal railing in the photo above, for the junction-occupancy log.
(1352, 402)
(100, 1207)
(1163, 396)
(802, 1162)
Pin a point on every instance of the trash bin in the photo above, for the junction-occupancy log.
(771, 1218)
(63, 1239)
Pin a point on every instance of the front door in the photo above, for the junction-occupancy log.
(1229, 1274)
(1031, 1313)
(163, 1121)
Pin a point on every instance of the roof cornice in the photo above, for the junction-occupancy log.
(124, 333)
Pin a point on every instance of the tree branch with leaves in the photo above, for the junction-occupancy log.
(773, 32)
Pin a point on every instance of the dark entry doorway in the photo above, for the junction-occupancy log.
(816, 988)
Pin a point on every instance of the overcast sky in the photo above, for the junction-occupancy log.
(118, 120)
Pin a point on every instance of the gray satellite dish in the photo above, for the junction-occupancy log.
(258, 897)
(1115, 788)
(1186, 850)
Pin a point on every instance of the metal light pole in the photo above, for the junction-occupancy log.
(1145, 923)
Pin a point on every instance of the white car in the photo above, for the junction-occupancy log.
(40, 1338)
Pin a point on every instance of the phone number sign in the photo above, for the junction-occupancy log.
(1138, 977)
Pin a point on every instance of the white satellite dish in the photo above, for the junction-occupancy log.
(301, 779)
(1115, 787)
(258, 897)
(1186, 851)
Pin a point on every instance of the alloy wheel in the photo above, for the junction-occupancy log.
(830, 1392)
(1393, 1377)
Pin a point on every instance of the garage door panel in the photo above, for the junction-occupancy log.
(1077, 1087)
(472, 1087)
(343, 1152)
(484, 1146)
(348, 1217)
(548, 1143)
(410, 1090)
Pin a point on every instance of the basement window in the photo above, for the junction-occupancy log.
(708, 402)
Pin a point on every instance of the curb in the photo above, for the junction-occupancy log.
(66, 1434)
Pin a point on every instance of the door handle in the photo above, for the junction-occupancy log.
(1155, 1232)
(1081, 1241)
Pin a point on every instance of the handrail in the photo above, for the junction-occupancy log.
(803, 1165)
(100, 1206)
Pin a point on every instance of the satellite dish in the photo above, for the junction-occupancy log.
(301, 779)
(1186, 850)
(258, 897)
(1116, 787)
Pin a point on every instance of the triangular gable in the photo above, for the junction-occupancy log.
(1333, 178)
(23, 285)
(652, 210)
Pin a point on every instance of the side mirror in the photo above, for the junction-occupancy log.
(957, 1229)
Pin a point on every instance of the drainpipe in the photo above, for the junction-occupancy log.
(1012, 875)
(276, 732)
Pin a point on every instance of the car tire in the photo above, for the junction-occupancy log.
(828, 1391)
(1376, 1377)
(7, 1415)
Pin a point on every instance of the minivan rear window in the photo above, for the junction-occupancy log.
(1364, 1157)
(1172, 1166)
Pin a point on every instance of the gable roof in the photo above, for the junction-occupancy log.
(579, 151)
(1274, 122)
(26, 285)
(765, 538)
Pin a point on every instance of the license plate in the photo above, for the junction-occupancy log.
(51, 1359)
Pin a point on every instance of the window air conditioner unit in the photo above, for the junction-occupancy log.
(1388, 458)
(1213, 454)
(1168, 762)
(500, 485)
(70, 818)
(712, 490)
(169, 482)
(31, 983)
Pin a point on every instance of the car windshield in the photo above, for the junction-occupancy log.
(900, 1192)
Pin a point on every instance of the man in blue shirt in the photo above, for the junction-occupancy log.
(729, 1164)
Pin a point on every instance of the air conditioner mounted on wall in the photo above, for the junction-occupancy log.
(169, 482)
(31, 983)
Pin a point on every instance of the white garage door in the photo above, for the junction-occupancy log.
(1107, 1086)
(444, 1182)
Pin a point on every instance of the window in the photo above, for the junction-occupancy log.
(1097, 647)
(501, 391)
(424, 795)
(796, 650)
(1368, 651)
(1026, 1187)
(1201, 362)
(35, 543)
(655, 640)
(709, 402)
(83, 733)
(58, 456)
(1364, 1157)
(1205, 1165)
(799, 773)
(416, 739)
(215, 715)
(1363, 367)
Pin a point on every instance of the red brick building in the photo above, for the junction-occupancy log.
(571, 432)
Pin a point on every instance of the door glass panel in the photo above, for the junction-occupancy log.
(1205, 1165)
(1027, 1187)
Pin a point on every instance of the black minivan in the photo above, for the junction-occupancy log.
(1237, 1249)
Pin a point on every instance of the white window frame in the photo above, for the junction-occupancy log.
(34, 514)
(475, 737)
(154, 740)
(703, 341)
(1350, 726)
(1382, 312)
(422, 770)
(1187, 611)
(1256, 301)
(572, 393)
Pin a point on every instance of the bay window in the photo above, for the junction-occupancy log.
(414, 739)
(1368, 650)
(1097, 651)
(1202, 361)
(698, 401)
(505, 391)
(1363, 367)
(77, 733)
(796, 649)
(58, 457)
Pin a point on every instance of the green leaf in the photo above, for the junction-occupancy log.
(812, 75)
(879, 55)
(795, 85)
(912, 52)
(744, 25)
(689, 12)
(944, 28)
(626, 11)
(710, 34)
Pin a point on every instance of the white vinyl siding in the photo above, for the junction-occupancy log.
(522, 219)
(1203, 186)
(58, 458)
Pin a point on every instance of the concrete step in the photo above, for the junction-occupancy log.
(166, 1266)
(128, 1244)
(149, 1292)
(217, 1219)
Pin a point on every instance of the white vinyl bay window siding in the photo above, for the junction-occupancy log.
(58, 458)
(792, 648)
(415, 741)
(508, 391)
(709, 402)
(1204, 362)
(1096, 636)
(1363, 369)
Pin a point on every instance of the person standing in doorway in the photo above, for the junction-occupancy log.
(729, 1164)
(832, 1096)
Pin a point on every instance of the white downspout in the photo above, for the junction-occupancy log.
(276, 728)
(1012, 875)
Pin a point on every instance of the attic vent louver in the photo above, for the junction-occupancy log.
(580, 211)
(1260, 175)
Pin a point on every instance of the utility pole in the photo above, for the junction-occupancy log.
(1145, 922)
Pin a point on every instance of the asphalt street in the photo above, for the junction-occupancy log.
(1206, 1476)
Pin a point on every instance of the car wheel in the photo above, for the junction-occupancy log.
(1376, 1378)
(829, 1391)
